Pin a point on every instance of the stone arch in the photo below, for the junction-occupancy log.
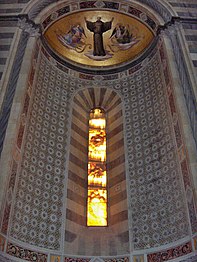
(163, 9)
(113, 239)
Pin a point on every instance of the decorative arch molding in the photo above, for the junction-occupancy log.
(156, 16)
(113, 239)
(34, 8)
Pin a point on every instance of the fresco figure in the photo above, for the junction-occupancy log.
(73, 37)
(122, 34)
(98, 28)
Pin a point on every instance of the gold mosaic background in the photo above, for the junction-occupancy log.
(63, 25)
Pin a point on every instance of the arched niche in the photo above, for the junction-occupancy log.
(26, 86)
(114, 238)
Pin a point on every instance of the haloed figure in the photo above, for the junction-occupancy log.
(98, 28)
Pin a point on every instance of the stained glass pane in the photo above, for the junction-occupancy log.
(97, 176)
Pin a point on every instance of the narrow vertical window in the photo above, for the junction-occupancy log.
(97, 177)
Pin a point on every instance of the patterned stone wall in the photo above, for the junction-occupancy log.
(7, 30)
(156, 192)
(156, 198)
(161, 205)
(38, 205)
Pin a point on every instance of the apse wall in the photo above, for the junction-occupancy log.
(151, 206)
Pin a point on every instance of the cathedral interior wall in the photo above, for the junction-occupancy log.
(151, 161)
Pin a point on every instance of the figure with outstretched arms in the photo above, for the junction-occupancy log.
(98, 28)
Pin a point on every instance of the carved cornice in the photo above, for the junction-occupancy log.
(164, 11)
(176, 21)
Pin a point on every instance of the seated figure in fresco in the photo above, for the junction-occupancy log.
(122, 34)
(98, 28)
(74, 36)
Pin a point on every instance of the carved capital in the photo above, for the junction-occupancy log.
(28, 26)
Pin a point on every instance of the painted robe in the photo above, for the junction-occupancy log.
(98, 28)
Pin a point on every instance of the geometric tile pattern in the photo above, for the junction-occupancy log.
(99, 4)
(156, 193)
(171, 253)
(38, 205)
(156, 197)
(125, 259)
(161, 170)
(25, 254)
(67, 259)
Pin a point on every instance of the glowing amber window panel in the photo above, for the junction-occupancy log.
(97, 176)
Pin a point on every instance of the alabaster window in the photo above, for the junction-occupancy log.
(97, 176)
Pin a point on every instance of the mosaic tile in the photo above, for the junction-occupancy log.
(122, 259)
(25, 254)
(134, 11)
(68, 259)
(85, 76)
(42, 167)
(63, 11)
(50, 18)
(151, 23)
(123, 8)
(100, 4)
(74, 6)
(111, 5)
(170, 253)
(151, 133)
(87, 4)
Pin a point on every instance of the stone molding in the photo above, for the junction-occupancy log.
(173, 33)
(28, 26)
(157, 6)
(11, 87)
